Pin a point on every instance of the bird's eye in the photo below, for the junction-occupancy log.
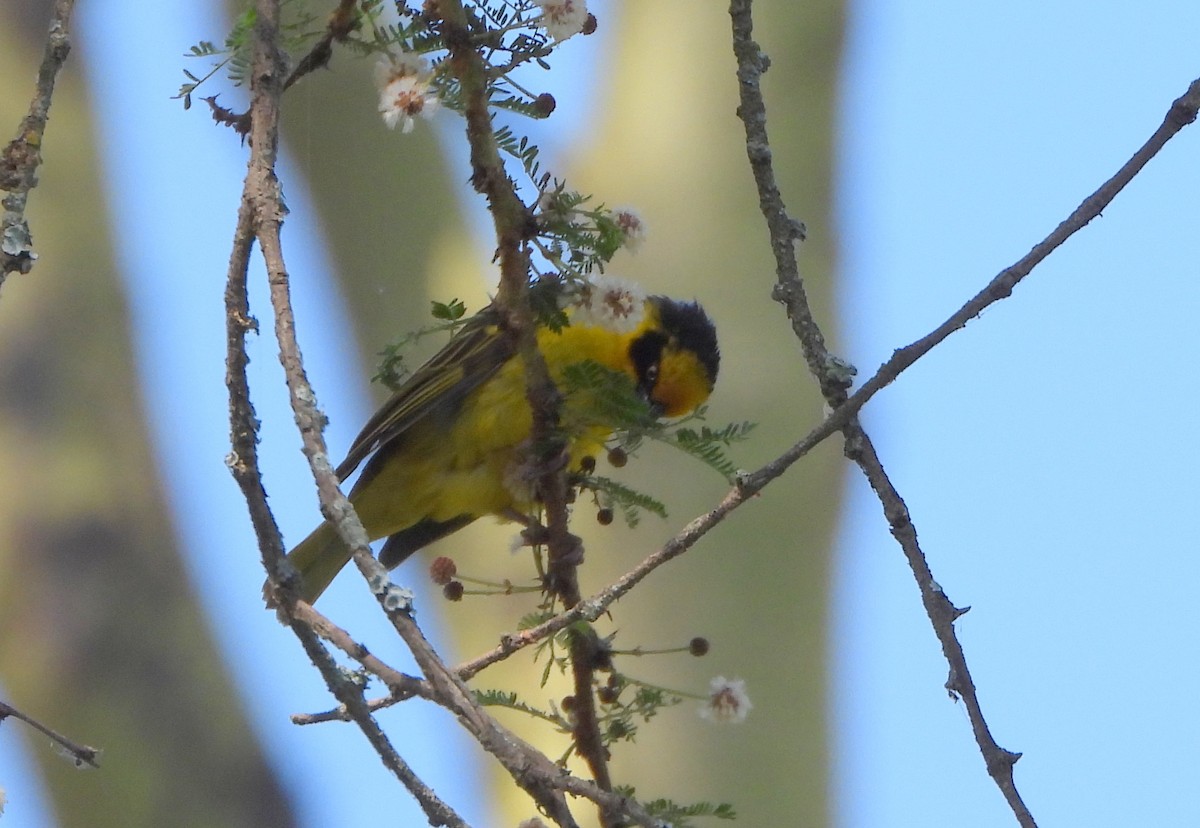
(652, 374)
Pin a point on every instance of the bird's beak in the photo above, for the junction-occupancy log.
(656, 408)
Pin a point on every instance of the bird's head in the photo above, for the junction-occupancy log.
(675, 356)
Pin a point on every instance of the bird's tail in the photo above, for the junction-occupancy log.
(318, 558)
(321, 556)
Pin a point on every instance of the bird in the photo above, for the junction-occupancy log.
(452, 443)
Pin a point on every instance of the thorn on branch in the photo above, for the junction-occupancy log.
(945, 607)
(227, 117)
(1000, 762)
(480, 178)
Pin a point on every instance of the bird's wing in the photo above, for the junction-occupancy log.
(474, 354)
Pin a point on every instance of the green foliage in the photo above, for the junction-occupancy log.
(510, 701)
(409, 34)
(676, 815)
(706, 444)
(614, 495)
(619, 718)
(611, 397)
(300, 27)
(556, 648)
(680, 816)
(614, 400)
(533, 619)
(576, 238)
(451, 311)
(545, 299)
(392, 371)
(520, 148)
(234, 53)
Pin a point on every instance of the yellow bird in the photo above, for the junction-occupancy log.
(452, 443)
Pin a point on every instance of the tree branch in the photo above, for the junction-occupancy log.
(80, 754)
(23, 155)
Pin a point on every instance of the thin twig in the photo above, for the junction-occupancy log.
(402, 686)
(81, 754)
(859, 448)
(23, 155)
(349, 693)
(341, 713)
(260, 217)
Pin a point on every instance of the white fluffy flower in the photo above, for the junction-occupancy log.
(727, 701)
(562, 18)
(405, 89)
(631, 226)
(607, 302)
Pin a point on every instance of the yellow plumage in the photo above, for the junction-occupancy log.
(449, 445)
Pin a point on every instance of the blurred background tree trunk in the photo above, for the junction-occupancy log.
(103, 638)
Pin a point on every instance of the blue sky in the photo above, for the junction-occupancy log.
(1047, 452)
